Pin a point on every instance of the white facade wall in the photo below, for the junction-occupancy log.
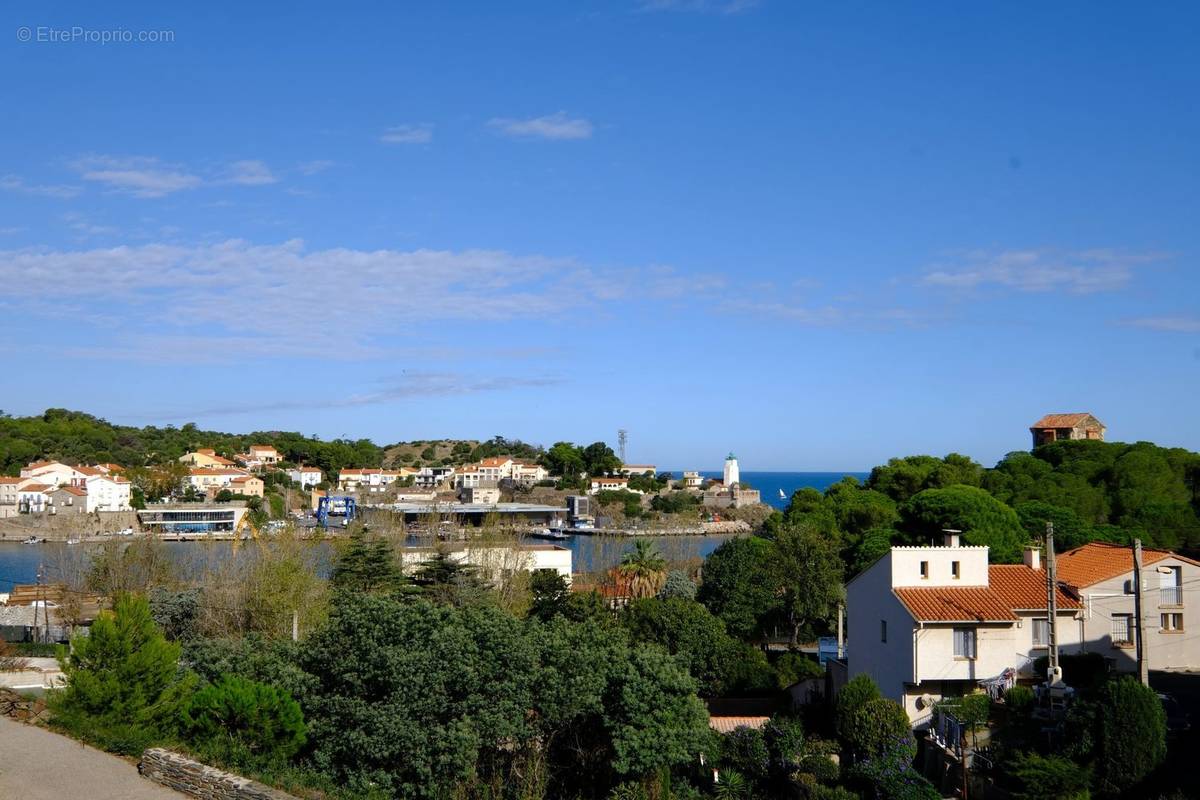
(870, 606)
(1165, 649)
(305, 477)
(106, 494)
(972, 561)
(493, 562)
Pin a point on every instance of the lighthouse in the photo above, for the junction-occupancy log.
(732, 477)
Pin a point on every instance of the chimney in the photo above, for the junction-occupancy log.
(1033, 557)
(951, 537)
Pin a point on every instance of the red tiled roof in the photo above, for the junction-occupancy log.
(212, 471)
(6, 479)
(730, 724)
(87, 470)
(954, 604)
(1023, 588)
(35, 487)
(75, 490)
(39, 464)
(1098, 561)
(1061, 420)
(496, 461)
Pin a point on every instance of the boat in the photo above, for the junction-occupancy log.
(782, 496)
(553, 534)
(31, 540)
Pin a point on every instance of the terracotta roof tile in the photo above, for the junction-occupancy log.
(1023, 588)
(954, 604)
(1098, 561)
(1061, 420)
(730, 724)
(36, 487)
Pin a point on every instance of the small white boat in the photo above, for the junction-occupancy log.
(553, 534)
(31, 540)
(782, 496)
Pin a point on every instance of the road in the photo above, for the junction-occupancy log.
(36, 764)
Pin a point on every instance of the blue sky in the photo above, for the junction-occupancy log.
(816, 234)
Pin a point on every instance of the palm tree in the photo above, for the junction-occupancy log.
(644, 569)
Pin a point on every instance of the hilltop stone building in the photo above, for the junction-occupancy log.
(1055, 427)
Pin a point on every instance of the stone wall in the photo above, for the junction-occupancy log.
(60, 527)
(198, 780)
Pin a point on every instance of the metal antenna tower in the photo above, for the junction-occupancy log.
(622, 439)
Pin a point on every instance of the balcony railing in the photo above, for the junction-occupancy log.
(1171, 596)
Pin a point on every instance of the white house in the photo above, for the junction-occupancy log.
(1102, 575)
(32, 498)
(306, 476)
(205, 478)
(494, 562)
(933, 622)
(56, 473)
(629, 470)
(527, 473)
(602, 484)
(107, 493)
(367, 480)
(8, 494)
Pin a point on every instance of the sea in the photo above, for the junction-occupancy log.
(19, 563)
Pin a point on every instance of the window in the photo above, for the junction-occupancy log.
(1041, 633)
(924, 569)
(1172, 622)
(964, 642)
(954, 569)
(1122, 629)
(883, 631)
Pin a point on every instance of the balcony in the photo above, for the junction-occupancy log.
(1170, 596)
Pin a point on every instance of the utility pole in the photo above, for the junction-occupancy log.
(841, 639)
(1143, 667)
(1052, 671)
(295, 625)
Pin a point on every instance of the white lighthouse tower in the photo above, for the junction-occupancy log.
(732, 476)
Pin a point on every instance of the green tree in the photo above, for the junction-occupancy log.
(679, 585)
(564, 459)
(733, 585)
(448, 581)
(807, 573)
(549, 594)
(878, 728)
(857, 692)
(244, 723)
(644, 568)
(1132, 737)
(1050, 777)
(983, 519)
(652, 714)
(367, 564)
(124, 689)
(599, 459)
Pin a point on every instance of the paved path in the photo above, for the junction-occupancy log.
(36, 764)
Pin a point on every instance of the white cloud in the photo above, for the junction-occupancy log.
(1183, 324)
(140, 176)
(149, 176)
(558, 126)
(367, 300)
(1039, 270)
(315, 166)
(12, 183)
(408, 134)
(250, 173)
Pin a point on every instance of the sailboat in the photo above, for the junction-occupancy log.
(782, 496)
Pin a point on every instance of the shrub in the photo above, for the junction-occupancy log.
(1019, 698)
(124, 690)
(744, 750)
(243, 723)
(853, 695)
(793, 667)
(1048, 778)
(1132, 734)
(879, 727)
(731, 786)
(678, 585)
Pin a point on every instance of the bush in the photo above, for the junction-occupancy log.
(678, 585)
(1019, 699)
(858, 691)
(793, 667)
(1132, 735)
(1048, 778)
(745, 751)
(244, 723)
(880, 727)
(124, 690)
